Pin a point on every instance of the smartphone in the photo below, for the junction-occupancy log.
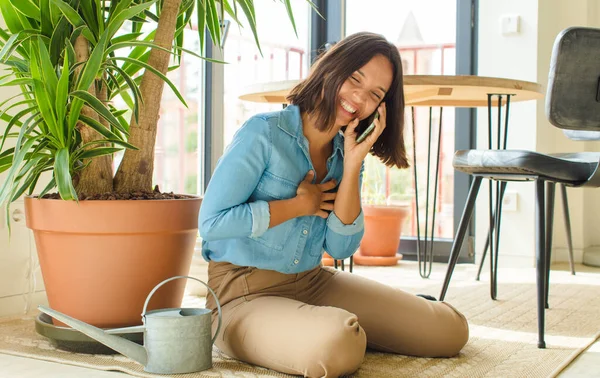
(363, 134)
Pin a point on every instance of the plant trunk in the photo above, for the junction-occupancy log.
(96, 177)
(135, 172)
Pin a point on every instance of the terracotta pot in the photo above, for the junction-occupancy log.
(383, 227)
(100, 259)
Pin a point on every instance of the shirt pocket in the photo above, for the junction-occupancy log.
(276, 237)
(275, 187)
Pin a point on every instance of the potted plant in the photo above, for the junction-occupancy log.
(384, 214)
(104, 240)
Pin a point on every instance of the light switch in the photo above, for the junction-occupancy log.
(510, 24)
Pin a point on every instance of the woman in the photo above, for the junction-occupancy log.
(287, 189)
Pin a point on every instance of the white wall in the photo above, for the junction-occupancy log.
(526, 56)
(512, 57)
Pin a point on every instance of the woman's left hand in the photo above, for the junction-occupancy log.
(355, 153)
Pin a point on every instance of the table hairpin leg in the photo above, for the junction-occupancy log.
(342, 264)
(495, 210)
(425, 246)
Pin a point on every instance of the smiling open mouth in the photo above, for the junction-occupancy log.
(347, 107)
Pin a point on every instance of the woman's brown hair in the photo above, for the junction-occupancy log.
(318, 93)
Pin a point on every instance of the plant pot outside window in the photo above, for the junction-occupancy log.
(383, 227)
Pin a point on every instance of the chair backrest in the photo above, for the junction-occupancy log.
(573, 95)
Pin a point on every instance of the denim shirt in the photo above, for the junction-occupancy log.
(266, 161)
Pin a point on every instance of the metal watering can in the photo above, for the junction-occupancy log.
(176, 340)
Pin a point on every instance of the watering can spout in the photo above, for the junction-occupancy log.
(128, 348)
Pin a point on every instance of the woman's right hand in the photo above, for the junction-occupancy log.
(314, 197)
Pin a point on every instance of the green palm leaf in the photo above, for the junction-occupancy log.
(37, 49)
(71, 14)
(27, 8)
(62, 175)
(157, 73)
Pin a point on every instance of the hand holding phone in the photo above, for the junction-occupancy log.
(368, 130)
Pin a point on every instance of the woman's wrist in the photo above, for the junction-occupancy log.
(284, 210)
(352, 169)
(299, 206)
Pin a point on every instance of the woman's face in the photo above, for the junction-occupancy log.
(364, 90)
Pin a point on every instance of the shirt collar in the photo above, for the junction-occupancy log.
(338, 143)
(291, 123)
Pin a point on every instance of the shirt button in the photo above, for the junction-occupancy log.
(296, 261)
(305, 232)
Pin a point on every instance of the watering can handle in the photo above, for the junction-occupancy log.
(193, 278)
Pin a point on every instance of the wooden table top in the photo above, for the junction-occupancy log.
(272, 92)
(427, 90)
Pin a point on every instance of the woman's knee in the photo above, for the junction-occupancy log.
(457, 332)
(438, 330)
(341, 348)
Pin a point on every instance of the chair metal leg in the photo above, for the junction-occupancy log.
(487, 240)
(550, 190)
(500, 190)
(491, 243)
(540, 257)
(549, 214)
(565, 203)
(461, 232)
(483, 255)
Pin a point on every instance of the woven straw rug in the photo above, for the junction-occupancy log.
(503, 339)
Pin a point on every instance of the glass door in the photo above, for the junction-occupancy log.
(425, 33)
(284, 57)
(176, 158)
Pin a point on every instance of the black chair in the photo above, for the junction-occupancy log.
(572, 103)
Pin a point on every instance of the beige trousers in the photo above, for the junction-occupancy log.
(318, 323)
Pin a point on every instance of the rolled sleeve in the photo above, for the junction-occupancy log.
(342, 240)
(261, 217)
(335, 224)
(227, 210)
